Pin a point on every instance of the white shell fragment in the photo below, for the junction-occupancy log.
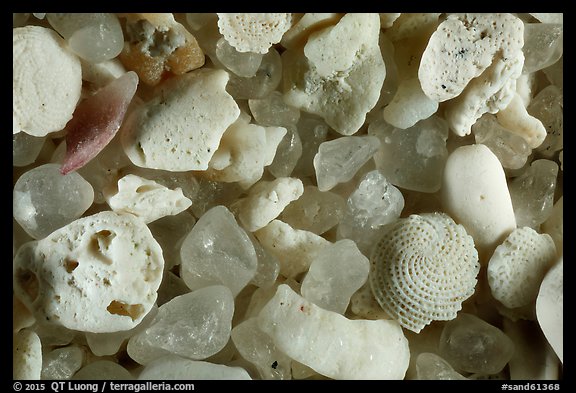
(422, 269)
(339, 74)
(45, 200)
(307, 24)
(26, 355)
(253, 32)
(217, 251)
(516, 118)
(518, 265)
(295, 249)
(331, 344)
(98, 274)
(244, 150)
(338, 160)
(146, 199)
(463, 47)
(181, 127)
(475, 193)
(336, 273)
(173, 367)
(550, 307)
(267, 199)
(46, 81)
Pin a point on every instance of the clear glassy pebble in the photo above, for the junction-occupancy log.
(62, 363)
(195, 325)
(532, 193)
(470, 344)
(430, 366)
(45, 200)
(218, 251)
(95, 37)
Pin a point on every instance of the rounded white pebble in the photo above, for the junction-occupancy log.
(475, 193)
(98, 274)
(26, 355)
(171, 367)
(550, 307)
(331, 344)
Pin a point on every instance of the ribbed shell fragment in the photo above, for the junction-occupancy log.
(422, 269)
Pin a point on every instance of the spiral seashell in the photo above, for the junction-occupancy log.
(422, 269)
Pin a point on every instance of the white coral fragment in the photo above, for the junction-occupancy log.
(267, 199)
(146, 199)
(331, 344)
(181, 127)
(518, 265)
(98, 274)
(253, 32)
(423, 268)
(516, 119)
(46, 81)
(244, 150)
(339, 73)
(295, 249)
(463, 47)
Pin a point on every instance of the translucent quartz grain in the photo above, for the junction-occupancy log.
(271, 110)
(103, 370)
(555, 73)
(288, 153)
(62, 363)
(25, 148)
(548, 107)
(532, 193)
(543, 45)
(195, 325)
(45, 200)
(315, 211)
(430, 366)
(336, 273)
(258, 348)
(266, 79)
(415, 157)
(243, 64)
(472, 345)
(218, 251)
(338, 160)
(95, 37)
(313, 131)
(374, 203)
(268, 265)
(511, 149)
(169, 232)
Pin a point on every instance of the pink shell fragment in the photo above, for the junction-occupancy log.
(96, 121)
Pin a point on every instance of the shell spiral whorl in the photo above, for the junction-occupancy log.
(422, 269)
